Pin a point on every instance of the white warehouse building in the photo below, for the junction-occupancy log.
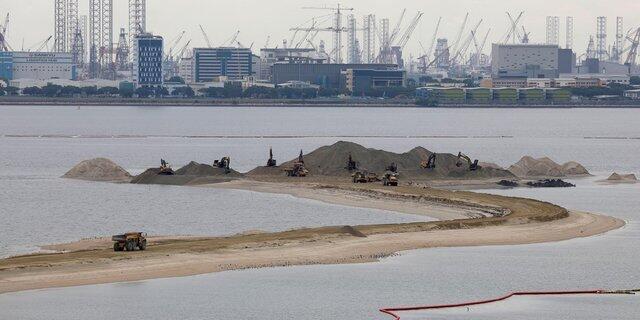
(40, 65)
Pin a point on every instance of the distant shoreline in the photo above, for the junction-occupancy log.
(293, 103)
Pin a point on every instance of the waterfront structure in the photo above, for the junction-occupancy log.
(327, 75)
(361, 80)
(185, 70)
(37, 65)
(147, 60)
(566, 61)
(524, 60)
(632, 94)
(210, 64)
(271, 56)
(6, 65)
(478, 94)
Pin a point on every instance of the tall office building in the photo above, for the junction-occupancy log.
(211, 63)
(147, 60)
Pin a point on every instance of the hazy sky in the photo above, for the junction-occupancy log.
(32, 20)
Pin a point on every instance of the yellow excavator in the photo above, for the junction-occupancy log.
(473, 165)
(165, 169)
(297, 169)
(429, 163)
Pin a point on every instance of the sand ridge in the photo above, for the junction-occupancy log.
(527, 221)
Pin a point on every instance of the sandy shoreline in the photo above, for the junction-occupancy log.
(527, 221)
(354, 197)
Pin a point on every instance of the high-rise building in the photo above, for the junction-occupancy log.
(147, 60)
(211, 63)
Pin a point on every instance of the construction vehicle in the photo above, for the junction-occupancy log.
(473, 165)
(224, 163)
(364, 177)
(165, 169)
(297, 169)
(390, 179)
(271, 162)
(429, 163)
(130, 241)
(351, 165)
(393, 167)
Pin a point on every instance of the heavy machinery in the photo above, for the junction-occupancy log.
(429, 163)
(130, 241)
(297, 169)
(473, 165)
(165, 169)
(364, 177)
(224, 163)
(351, 164)
(390, 179)
(271, 162)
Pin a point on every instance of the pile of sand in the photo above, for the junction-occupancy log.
(615, 177)
(331, 161)
(99, 169)
(544, 167)
(192, 174)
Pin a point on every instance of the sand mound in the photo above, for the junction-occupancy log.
(332, 161)
(615, 177)
(545, 167)
(192, 174)
(573, 168)
(99, 169)
(490, 165)
(205, 170)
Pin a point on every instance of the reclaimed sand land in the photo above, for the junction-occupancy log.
(506, 221)
(461, 219)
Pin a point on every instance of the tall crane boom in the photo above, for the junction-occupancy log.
(464, 25)
(412, 27)
(174, 44)
(396, 29)
(4, 46)
(633, 51)
(206, 37)
(434, 38)
(465, 45)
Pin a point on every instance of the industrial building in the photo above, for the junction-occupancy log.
(496, 95)
(147, 60)
(185, 70)
(271, 56)
(212, 63)
(361, 80)
(525, 60)
(6, 65)
(37, 65)
(325, 75)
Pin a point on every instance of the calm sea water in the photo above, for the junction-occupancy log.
(35, 201)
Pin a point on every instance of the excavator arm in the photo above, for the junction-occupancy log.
(473, 165)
